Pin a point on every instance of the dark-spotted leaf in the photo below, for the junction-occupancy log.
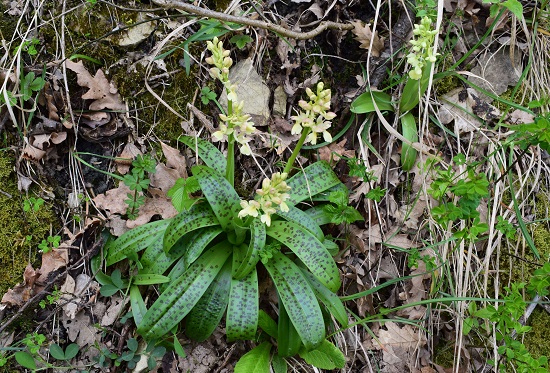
(245, 262)
(255, 361)
(207, 152)
(198, 216)
(183, 293)
(221, 196)
(298, 299)
(135, 240)
(149, 279)
(207, 313)
(331, 301)
(314, 179)
(242, 311)
(302, 219)
(310, 251)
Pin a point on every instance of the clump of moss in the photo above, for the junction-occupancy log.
(536, 340)
(16, 250)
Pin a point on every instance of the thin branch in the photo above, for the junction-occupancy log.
(186, 7)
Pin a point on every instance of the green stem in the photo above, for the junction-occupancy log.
(230, 170)
(296, 151)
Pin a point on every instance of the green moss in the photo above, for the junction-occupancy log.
(15, 225)
(444, 354)
(536, 340)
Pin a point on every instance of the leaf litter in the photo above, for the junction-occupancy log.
(375, 250)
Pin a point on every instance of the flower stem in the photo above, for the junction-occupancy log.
(230, 170)
(296, 151)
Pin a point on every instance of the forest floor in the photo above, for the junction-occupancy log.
(444, 272)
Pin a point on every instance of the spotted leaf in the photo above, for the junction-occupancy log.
(135, 240)
(298, 299)
(221, 196)
(242, 311)
(310, 251)
(244, 262)
(207, 152)
(183, 293)
(198, 216)
(313, 180)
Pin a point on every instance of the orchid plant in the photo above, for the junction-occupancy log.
(212, 251)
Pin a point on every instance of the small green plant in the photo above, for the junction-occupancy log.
(132, 356)
(57, 352)
(33, 204)
(421, 58)
(507, 321)
(51, 242)
(29, 46)
(50, 299)
(31, 84)
(212, 250)
(138, 182)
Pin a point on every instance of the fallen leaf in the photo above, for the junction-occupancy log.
(364, 35)
(113, 200)
(33, 280)
(104, 93)
(125, 158)
(333, 152)
(174, 159)
(158, 205)
(398, 345)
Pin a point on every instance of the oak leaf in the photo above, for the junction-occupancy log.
(364, 35)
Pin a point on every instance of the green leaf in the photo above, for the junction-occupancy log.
(71, 351)
(25, 360)
(255, 361)
(288, 341)
(207, 313)
(221, 196)
(244, 263)
(414, 89)
(326, 356)
(240, 40)
(108, 289)
(183, 293)
(132, 344)
(207, 152)
(57, 352)
(319, 215)
(298, 299)
(279, 364)
(365, 102)
(302, 219)
(178, 348)
(198, 242)
(515, 7)
(410, 132)
(198, 216)
(180, 193)
(313, 180)
(135, 240)
(138, 304)
(242, 311)
(267, 324)
(149, 279)
(310, 251)
(328, 298)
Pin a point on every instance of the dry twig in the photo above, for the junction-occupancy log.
(280, 30)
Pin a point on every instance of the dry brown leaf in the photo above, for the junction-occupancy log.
(125, 158)
(398, 345)
(335, 151)
(104, 93)
(164, 178)
(174, 159)
(32, 153)
(113, 200)
(364, 35)
(159, 205)
(33, 280)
